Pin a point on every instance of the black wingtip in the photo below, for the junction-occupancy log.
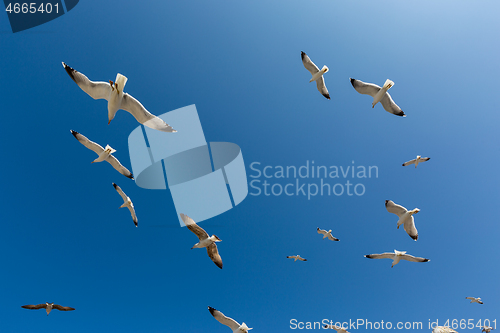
(70, 71)
(386, 202)
(403, 164)
(414, 238)
(114, 185)
(327, 96)
(130, 176)
(368, 256)
(352, 81)
(212, 310)
(302, 55)
(75, 133)
(401, 114)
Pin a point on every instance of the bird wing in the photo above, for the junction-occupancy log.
(365, 88)
(330, 237)
(412, 258)
(424, 159)
(233, 324)
(119, 167)
(132, 212)
(308, 64)
(135, 108)
(197, 230)
(213, 253)
(410, 228)
(385, 255)
(34, 307)
(96, 90)
(291, 257)
(96, 148)
(321, 231)
(410, 162)
(120, 191)
(471, 298)
(395, 209)
(390, 106)
(320, 83)
(443, 329)
(62, 308)
(301, 259)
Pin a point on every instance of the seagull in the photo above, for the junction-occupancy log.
(117, 99)
(205, 240)
(417, 160)
(396, 257)
(379, 95)
(337, 328)
(297, 257)
(233, 324)
(127, 203)
(475, 300)
(104, 154)
(405, 217)
(443, 329)
(487, 329)
(317, 75)
(48, 307)
(327, 234)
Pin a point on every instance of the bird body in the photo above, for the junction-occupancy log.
(327, 234)
(405, 218)
(475, 300)
(396, 257)
(317, 75)
(379, 94)
(297, 257)
(205, 240)
(127, 203)
(230, 322)
(48, 307)
(417, 160)
(104, 154)
(117, 99)
(486, 329)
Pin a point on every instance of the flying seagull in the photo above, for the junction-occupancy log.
(443, 329)
(487, 329)
(337, 328)
(396, 257)
(327, 234)
(379, 95)
(48, 307)
(317, 75)
(405, 217)
(297, 257)
(205, 240)
(417, 160)
(104, 154)
(127, 203)
(475, 300)
(233, 324)
(117, 99)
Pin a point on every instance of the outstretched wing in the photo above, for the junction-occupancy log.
(385, 255)
(330, 237)
(135, 108)
(96, 148)
(410, 228)
(221, 318)
(120, 192)
(197, 230)
(412, 258)
(213, 253)
(365, 88)
(62, 308)
(321, 231)
(390, 106)
(308, 64)
(96, 90)
(119, 167)
(320, 83)
(410, 162)
(34, 307)
(395, 209)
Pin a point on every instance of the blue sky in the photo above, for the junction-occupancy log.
(64, 239)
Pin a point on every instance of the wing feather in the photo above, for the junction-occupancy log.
(320, 83)
(119, 167)
(385, 255)
(96, 148)
(308, 64)
(213, 253)
(34, 307)
(365, 88)
(143, 116)
(96, 90)
(62, 308)
(390, 106)
(394, 208)
(410, 228)
(410, 162)
(412, 258)
(221, 318)
(120, 191)
(197, 230)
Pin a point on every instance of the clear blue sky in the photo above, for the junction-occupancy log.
(64, 239)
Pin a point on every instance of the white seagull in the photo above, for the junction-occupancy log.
(475, 300)
(317, 75)
(487, 329)
(337, 328)
(327, 234)
(405, 217)
(48, 307)
(104, 154)
(443, 329)
(230, 322)
(205, 240)
(297, 257)
(117, 99)
(396, 257)
(379, 95)
(126, 203)
(417, 160)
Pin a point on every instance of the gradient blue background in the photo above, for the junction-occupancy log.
(64, 240)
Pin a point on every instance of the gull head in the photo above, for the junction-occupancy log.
(415, 211)
(244, 328)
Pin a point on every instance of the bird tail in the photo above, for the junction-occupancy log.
(388, 84)
(121, 80)
(112, 150)
(124, 205)
(325, 69)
